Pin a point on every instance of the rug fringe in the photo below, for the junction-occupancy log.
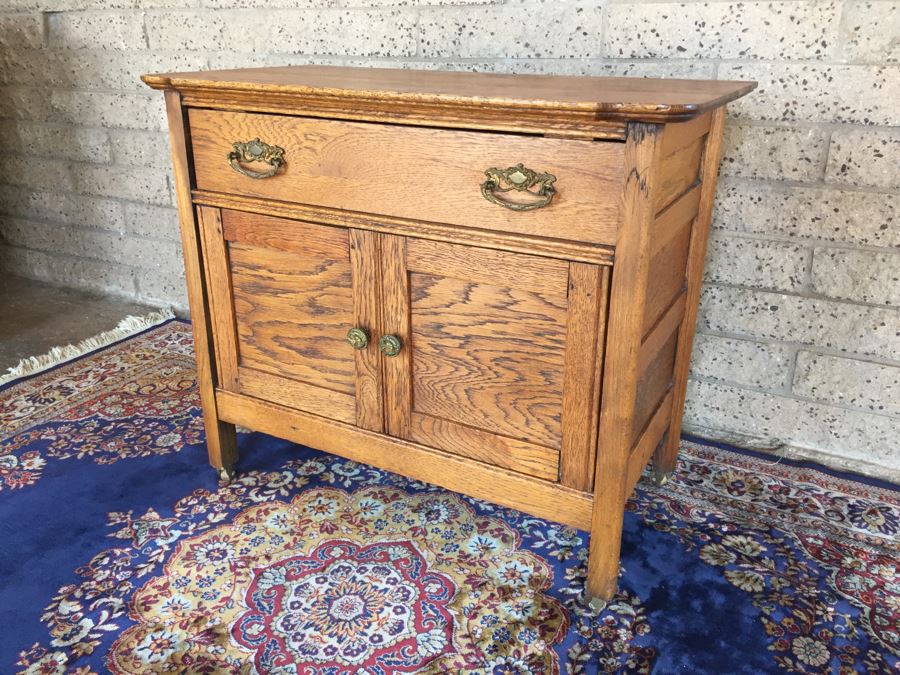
(57, 355)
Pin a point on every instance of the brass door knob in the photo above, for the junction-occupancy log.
(390, 345)
(358, 338)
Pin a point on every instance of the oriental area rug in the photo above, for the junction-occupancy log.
(121, 553)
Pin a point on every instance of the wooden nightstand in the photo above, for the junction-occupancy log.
(487, 282)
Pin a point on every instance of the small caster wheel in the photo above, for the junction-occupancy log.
(660, 478)
(226, 474)
(596, 604)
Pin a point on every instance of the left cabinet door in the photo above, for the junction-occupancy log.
(284, 295)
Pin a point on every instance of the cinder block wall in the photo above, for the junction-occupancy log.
(799, 343)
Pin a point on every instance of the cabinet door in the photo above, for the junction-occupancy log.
(500, 355)
(283, 296)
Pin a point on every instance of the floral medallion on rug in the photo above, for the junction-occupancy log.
(120, 553)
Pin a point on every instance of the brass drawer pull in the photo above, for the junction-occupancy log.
(358, 338)
(520, 179)
(256, 151)
(390, 345)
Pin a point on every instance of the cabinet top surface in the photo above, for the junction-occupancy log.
(615, 98)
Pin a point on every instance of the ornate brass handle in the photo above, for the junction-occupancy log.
(520, 179)
(358, 338)
(256, 151)
(390, 345)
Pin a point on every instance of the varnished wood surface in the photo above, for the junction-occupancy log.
(664, 459)
(585, 336)
(620, 98)
(426, 174)
(501, 486)
(627, 300)
(365, 259)
(516, 382)
(292, 298)
(494, 449)
(298, 395)
(467, 236)
(221, 304)
(221, 437)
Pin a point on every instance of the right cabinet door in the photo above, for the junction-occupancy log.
(497, 355)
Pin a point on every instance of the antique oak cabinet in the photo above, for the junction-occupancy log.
(486, 282)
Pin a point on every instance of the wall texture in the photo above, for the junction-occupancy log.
(800, 329)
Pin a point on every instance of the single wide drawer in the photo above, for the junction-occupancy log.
(424, 174)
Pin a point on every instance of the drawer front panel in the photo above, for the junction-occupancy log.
(415, 173)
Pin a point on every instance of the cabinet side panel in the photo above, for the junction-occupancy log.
(664, 459)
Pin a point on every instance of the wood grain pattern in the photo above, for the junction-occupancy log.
(664, 459)
(370, 168)
(493, 449)
(489, 357)
(652, 385)
(585, 333)
(365, 261)
(469, 236)
(279, 234)
(397, 370)
(627, 298)
(298, 395)
(486, 266)
(514, 382)
(483, 481)
(221, 437)
(293, 313)
(661, 332)
(650, 439)
(470, 94)
(668, 267)
(221, 309)
(683, 134)
(678, 172)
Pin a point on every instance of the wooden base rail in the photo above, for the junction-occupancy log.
(500, 486)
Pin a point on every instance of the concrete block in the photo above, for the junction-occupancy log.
(36, 173)
(864, 385)
(102, 276)
(21, 30)
(110, 110)
(158, 222)
(856, 94)
(842, 216)
(774, 152)
(740, 261)
(60, 207)
(162, 288)
(132, 183)
(864, 157)
(741, 362)
(141, 148)
(25, 103)
(723, 30)
(351, 32)
(96, 30)
(828, 324)
(59, 142)
(872, 30)
(550, 31)
(314, 31)
(853, 435)
(860, 276)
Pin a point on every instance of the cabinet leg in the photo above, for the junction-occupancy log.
(603, 557)
(664, 459)
(221, 443)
